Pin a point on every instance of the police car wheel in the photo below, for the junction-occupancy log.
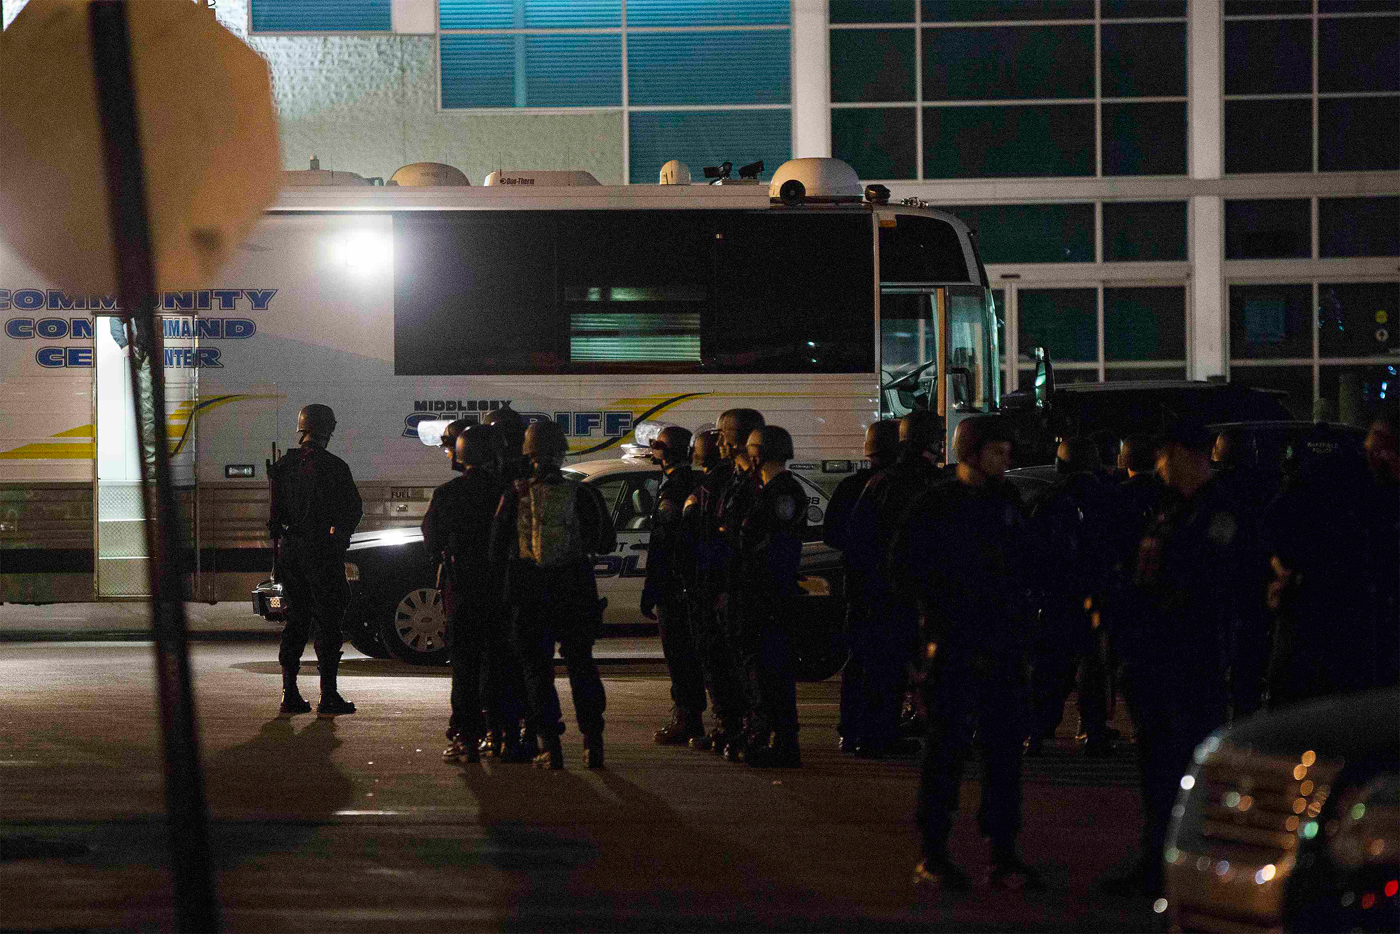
(415, 629)
(363, 634)
(818, 664)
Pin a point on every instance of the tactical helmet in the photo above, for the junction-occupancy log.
(478, 446)
(921, 430)
(545, 439)
(673, 443)
(704, 449)
(773, 443)
(881, 438)
(511, 425)
(316, 420)
(1077, 455)
(450, 435)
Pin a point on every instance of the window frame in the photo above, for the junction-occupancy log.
(920, 105)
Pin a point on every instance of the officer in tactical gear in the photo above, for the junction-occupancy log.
(546, 532)
(715, 514)
(449, 440)
(962, 553)
(511, 425)
(457, 528)
(770, 555)
(315, 508)
(664, 594)
(881, 448)
(885, 646)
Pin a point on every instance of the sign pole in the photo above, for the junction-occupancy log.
(196, 906)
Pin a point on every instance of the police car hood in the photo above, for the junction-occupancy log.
(1353, 727)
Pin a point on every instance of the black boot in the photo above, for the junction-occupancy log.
(552, 756)
(292, 701)
(593, 750)
(685, 725)
(332, 704)
(779, 753)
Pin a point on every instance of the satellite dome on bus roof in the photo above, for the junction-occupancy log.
(428, 174)
(815, 179)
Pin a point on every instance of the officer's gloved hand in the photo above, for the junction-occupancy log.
(648, 608)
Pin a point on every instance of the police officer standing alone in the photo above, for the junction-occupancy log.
(457, 527)
(770, 554)
(664, 596)
(315, 508)
(961, 553)
(545, 533)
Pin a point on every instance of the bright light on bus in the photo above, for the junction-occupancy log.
(364, 251)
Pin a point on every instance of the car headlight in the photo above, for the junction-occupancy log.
(1366, 828)
(352, 572)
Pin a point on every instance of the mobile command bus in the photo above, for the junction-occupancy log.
(815, 301)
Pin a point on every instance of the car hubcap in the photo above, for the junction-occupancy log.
(420, 621)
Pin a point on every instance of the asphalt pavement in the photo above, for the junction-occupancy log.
(354, 823)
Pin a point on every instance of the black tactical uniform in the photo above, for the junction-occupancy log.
(836, 529)
(765, 586)
(664, 596)
(457, 527)
(883, 634)
(708, 550)
(316, 507)
(546, 529)
(961, 552)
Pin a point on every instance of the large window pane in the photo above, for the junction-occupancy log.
(1270, 322)
(1137, 231)
(878, 142)
(1144, 323)
(1139, 9)
(872, 65)
(1031, 233)
(1358, 6)
(977, 11)
(1064, 321)
(708, 67)
(1144, 60)
(707, 137)
(1268, 56)
(921, 249)
(1295, 382)
(1358, 54)
(1009, 142)
(1122, 374)
(320, 15)
(1008, 63)
(528, 14)
(475, 294)
(1354, 392)
(1144, 139)
(1358, 227)
(822, 321)
(1268, 136)
(559, 71)
(1358, 319)
(872, 11)
(1268, 229)
(706, 13)
(1358, 134)
(1267, 7)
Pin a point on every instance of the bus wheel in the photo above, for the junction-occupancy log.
(415, 628)
(819, 647)
(817, 664)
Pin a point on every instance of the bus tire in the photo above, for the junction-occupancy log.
(414, 626)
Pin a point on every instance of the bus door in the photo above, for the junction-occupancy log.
(121, 562)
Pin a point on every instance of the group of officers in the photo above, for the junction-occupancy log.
(1188, 578)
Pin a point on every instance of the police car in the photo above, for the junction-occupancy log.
(397, 610)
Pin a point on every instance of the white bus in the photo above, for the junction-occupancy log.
(597, 307)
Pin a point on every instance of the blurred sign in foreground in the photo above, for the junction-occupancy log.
(208, 142)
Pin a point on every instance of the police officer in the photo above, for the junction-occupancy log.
(457, 527)
(547, 530)
(511, 426)
(449, 441)
(961, 553)
(1080, 527)
(315, 508)
(713, 519)
(664, 596)
(770, 555)
(1189, 585)
(886, 646)
(881, 447)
